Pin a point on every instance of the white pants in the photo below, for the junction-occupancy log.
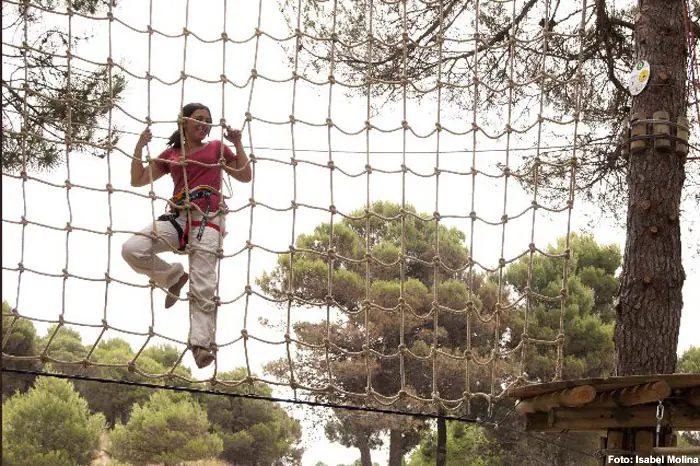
(139, 251)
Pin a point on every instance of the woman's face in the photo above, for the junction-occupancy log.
(196, 131)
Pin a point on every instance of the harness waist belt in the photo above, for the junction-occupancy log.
(179, 198)
(196, 223)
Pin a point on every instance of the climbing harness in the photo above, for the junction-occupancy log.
(202, 192)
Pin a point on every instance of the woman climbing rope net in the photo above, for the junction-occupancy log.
(197, 218)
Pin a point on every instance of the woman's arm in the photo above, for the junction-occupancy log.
(239, 168)
(139, 174)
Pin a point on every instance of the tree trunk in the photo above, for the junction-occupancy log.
(441, 456)
(365, 452)
(395, 447)
(649, 309)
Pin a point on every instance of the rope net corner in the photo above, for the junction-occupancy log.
(365, 262)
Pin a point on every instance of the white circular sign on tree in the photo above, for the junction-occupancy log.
(638, 77)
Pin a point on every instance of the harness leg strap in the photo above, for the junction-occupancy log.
(181, 235)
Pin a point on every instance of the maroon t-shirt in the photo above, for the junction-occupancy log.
(198, 176)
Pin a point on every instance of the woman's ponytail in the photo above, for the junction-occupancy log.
(174, 140)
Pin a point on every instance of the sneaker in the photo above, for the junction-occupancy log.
(202, 356)
(174, 291)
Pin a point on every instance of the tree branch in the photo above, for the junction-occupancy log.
(621, 22)
(603, 29)
(500, 35)
(399, 50)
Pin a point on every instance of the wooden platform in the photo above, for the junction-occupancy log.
(680, 381)
(610, 403)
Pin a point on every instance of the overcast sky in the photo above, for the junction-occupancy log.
(129, 308)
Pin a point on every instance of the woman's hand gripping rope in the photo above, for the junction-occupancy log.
(234, 136)
(144, 138)
(239, 169)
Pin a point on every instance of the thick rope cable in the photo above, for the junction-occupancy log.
(331, 234)
(149, 166)
(572, 185)
(291, 278)
(249, 242)
(540, 128)
(436, 213)
(470, 261)
(68, 148)
(187, 211)
(529, 295)
(402, 264)
(221, 208)
(24, 8)
(109, 196)
(155, 234)
(366, 308)
(545, 148)
(504, 217)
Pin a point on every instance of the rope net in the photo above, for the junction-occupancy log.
(331, 282)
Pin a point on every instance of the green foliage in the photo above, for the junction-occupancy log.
(165, 355)
(355, 431)
(41, 132)
(49, 425)
(467, 445)
(689, 362)
(115, 401)
(21, 342)
(588, 309)
(65, 345)
(169, 428)
(254, 432)
(351, 239)
(588, 344)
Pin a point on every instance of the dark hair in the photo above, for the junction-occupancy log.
(187, 111)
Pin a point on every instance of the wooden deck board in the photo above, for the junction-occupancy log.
(606, 384)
